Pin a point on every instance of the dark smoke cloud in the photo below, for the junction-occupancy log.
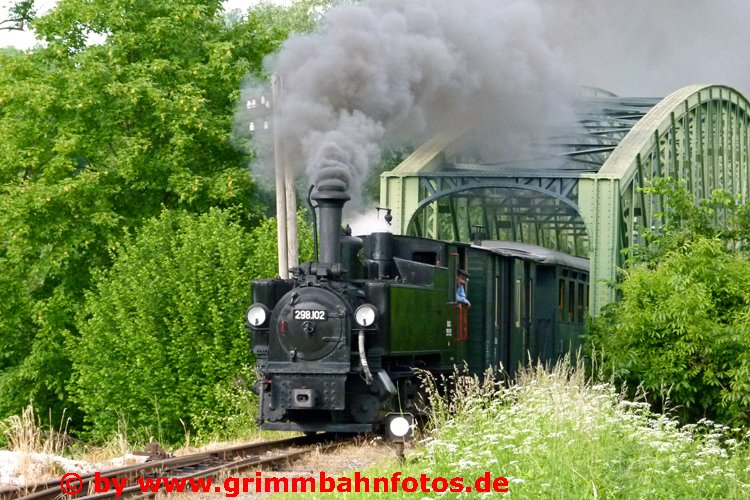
(395, 71)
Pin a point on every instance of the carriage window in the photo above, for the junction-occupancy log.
(530, 299)
(462, 261)
(571, 300)
(561, 299)
(579, 304)
(497, 301)
(518, 302)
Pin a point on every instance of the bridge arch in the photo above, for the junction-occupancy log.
(700, 133)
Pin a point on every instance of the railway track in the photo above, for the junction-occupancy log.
(199, 465)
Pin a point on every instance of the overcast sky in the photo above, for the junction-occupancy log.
(634, 47)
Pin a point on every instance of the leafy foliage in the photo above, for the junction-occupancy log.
(161, 342)
(681, 329)
(21, 13)
(162, 328)
(125, 111)
(681, 220)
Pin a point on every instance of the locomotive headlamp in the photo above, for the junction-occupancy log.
(365, 315)
(257, 315)
(399, 426)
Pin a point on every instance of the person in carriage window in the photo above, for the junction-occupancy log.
(462, 281)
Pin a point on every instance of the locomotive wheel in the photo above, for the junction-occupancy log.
(365, 408)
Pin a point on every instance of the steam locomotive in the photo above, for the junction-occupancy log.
(337, 345)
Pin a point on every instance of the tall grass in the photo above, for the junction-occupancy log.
(25, 433)
(552, 434)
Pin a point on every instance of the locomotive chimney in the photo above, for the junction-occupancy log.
(331, 201)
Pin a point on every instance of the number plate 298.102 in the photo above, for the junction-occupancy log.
(310, 314)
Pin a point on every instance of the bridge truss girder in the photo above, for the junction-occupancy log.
(539, 210)
(592, 205)
(699, 133)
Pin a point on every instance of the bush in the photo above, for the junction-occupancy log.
(161, 341)
(681, 331)
(162, 349)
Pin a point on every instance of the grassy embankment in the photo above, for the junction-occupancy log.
(553, 435)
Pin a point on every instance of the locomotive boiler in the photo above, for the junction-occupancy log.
(338, 345)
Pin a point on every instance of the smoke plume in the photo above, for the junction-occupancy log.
(394, 72)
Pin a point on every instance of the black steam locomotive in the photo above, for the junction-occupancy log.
(336, 346)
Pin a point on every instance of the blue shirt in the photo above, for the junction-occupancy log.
(461, 295)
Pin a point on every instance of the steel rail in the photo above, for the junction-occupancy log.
(205, 464)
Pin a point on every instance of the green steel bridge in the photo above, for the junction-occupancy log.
(584, 199)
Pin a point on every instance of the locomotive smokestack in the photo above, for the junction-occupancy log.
(331, 201)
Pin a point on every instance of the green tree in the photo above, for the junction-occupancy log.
(97, 137)
(682, 220)
(161, 332)
(681, 328)
(20, 14)
(161, 341)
